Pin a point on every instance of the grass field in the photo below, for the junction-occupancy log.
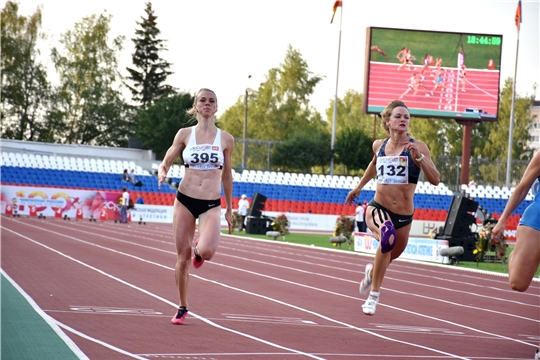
(324, 242)
(443, 45)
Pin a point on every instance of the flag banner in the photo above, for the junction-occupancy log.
(519, 17)
(337, 4)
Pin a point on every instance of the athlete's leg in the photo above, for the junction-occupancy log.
(382, 261)
(183, 229)
(209, 233)
(525, 258)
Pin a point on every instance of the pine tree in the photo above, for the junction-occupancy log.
(150, 70)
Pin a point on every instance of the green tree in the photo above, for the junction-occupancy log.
(495, 144)
(303, 151)
(350, 116)
(150, 70)
(494, 140)
(158, 124)
(442, 136)
(280, 106)
(23, 80)
(89, 100)
(353, 149)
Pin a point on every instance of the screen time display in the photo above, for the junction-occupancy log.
(484, 40)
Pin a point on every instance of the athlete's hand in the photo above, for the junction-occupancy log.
(353, 194)
(229, 218)
(413, 149)
(498, 229)
(162, 175)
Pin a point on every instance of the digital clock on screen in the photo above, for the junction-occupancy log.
(484, 40)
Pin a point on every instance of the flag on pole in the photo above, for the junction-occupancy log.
(339, 3)
(519, 18)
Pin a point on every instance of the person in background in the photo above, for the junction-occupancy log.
(397, 162)
(243, 206)
(207, 154)
(125, 176)
(131, 176)
(124, 206)
(359, 213)
(133, 179)
(139, 200)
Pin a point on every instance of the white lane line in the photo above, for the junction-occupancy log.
(161, 298)
(238, 290)
(50, 321)
(296, 284)
(328, 266)
(386, 277)
(396, 291)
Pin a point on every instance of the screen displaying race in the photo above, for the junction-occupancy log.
(437, 74)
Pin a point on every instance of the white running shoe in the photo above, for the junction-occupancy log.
(537, 355)
(365, 284)
(370, 305)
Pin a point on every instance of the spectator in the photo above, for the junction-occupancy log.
(243, 206)
(360, 212)
(139, 200)
(125, 176)
(124, 206)
(133, 179)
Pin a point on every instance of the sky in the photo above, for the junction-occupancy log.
(218, 44)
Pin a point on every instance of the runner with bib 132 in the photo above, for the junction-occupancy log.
(397, 163)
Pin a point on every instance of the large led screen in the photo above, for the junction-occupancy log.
(437, 74)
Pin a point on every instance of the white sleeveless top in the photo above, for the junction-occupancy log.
(203, 156)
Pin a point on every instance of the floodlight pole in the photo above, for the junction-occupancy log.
(244, 145)
(512, 118)
(334, 117)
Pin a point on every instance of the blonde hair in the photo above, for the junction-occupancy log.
(387, 112)
(193, 109)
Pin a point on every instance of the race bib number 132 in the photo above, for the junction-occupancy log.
(392, 170)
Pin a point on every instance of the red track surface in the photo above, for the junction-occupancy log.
(114, 283)
(481, 91)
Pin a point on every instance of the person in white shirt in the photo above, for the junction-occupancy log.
(243, 206)
(360, 211)
(124, 207)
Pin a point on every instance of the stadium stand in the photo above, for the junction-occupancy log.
(286, 192)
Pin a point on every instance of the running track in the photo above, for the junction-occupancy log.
(481, 91)
(111, 288)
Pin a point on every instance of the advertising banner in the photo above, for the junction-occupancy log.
(417, 249)
(52, 202)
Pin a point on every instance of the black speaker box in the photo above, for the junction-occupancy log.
(256, 225)
(468, 244)
(459, 220)
(257, 205)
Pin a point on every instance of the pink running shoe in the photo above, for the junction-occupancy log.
(197, 259)
(181, 314)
